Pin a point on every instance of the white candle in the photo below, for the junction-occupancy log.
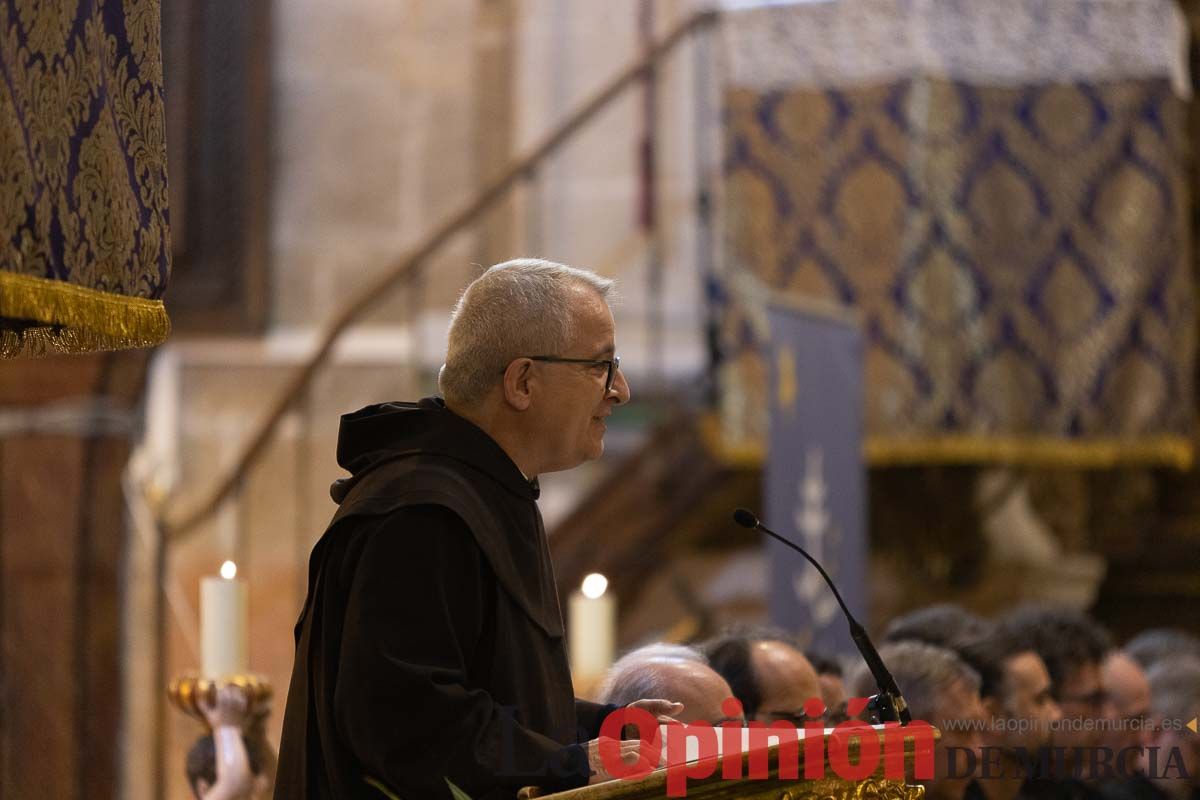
(223, 635)
(593, 618)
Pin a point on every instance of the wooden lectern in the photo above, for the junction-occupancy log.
(772, 787)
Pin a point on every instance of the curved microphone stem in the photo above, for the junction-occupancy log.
(889, 703)
(837, 595)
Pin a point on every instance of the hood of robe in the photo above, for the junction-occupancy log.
(384, 432)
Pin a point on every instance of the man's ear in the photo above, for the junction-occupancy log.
(518, 378)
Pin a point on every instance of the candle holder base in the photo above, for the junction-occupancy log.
(186, 690)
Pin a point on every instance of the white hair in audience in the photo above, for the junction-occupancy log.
(634, 677)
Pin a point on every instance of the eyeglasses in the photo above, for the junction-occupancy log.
(613, 364)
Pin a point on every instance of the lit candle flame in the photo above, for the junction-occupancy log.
(228, 570)
(594, 585)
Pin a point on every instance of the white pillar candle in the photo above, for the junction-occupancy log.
(223, 634)
(593, 620)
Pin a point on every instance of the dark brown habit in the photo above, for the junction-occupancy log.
(431, 644)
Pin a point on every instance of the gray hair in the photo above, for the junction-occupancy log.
(924, 672)
(634, 676)
(1156, 644)
(1175, 687)
(519, 308)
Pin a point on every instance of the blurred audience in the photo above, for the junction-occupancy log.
(1174, 701)
(1073, 648)
(1170, 758)
(943, 690)
(1039, 688)
(1129, 691)
(943, 625)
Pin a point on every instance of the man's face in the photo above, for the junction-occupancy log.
(1082, 697)
(1027, 696)
(572, 405)
(960, 716)
(1125, 683)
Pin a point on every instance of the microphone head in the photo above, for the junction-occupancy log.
(744, 518)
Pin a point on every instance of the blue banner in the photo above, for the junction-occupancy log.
(815, 476)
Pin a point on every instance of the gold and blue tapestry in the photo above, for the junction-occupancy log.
(86, 252)
(1019, 257)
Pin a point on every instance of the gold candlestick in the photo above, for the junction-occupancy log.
(186, 690)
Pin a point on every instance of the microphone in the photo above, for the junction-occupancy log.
(889, 703)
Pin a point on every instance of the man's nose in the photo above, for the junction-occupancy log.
(620, 387)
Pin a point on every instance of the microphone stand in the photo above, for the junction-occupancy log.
(888, 704)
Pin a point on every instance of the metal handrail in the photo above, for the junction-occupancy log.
(408, 268)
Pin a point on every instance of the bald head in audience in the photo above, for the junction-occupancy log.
(673, 672)
(771, 678)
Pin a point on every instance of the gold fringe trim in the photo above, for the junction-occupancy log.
(1042, 451)
(1030, 451)
(71, 319)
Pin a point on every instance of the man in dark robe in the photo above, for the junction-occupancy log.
(430, 648)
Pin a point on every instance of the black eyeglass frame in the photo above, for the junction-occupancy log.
(613, 365)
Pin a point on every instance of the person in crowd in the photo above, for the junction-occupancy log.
(676, 671)
(1074, 648)
(1170, 758)
(1018, 697)
(944, 625)
(1127, 688)
(833, 686)
(1151, 646)
(772, 679)
(1174, 701)
(941, 689)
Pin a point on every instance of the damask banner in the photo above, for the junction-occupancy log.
(83, 177)
(1014, 233)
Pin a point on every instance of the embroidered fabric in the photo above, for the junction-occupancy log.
(841, 43)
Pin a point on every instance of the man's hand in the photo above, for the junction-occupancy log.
(662, 710)
(629, 750)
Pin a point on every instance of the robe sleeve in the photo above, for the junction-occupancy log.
(402, 705)
(590, 716)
